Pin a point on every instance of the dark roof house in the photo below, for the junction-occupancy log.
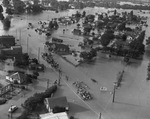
(57, 48)
(51, 103)
(7, 41)
(13, 50)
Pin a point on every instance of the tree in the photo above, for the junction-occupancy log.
(63, 5)
(106, 38)
(79, 5)
(87, 28)
(88, 55)
(36, 2)
(100, 25)
(9, 11)
(54, 4)
(121, 26)
(71, 117)
(1, 9)
(19, 6)
(36, 8)
(36, 73)
(124, 37)
(90, 18)
(1, 16)
(115, 12)
(24, 115)
(83, 14)
(6, 3)
(6, 23)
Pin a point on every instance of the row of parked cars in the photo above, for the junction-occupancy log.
(148, 72)
(82, 90)
(49, 59)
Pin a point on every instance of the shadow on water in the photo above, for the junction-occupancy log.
(124, 103)
(147, 55)
(75, 108)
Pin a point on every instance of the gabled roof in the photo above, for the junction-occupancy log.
(57, 102)
(18, 76)
(57, 45)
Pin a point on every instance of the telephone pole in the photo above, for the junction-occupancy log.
(39, 54)
(47, 83)
(114, 92)
(27, 44)
(100, 115)
(20, 37)
(59, 77)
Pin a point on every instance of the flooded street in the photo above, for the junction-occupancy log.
(132, 100)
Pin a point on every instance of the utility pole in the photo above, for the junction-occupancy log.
(114, 92)
(16, 33)
(47, 83)
(59, 77)
(20, 37)
(100, 115)
(27, 44)
(11, 114)
(39, 54)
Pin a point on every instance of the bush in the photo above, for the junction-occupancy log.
(24, 115)
(38, 98)
(89, 55)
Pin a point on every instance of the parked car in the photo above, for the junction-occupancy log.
(12, 109)
(38, 67)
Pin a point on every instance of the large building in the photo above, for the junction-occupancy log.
(7, 41)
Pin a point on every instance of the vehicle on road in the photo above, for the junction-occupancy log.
(12, 109)
(38, 67)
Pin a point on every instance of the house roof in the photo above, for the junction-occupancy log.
(57, 101)
(7, 36)
(57, 45)
(62, 115)
(19, 76)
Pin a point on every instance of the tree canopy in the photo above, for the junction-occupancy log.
(6, 3)
(88, 55)
(106, 38)
(6, 23)
(19, 6)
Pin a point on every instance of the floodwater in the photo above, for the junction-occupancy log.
(132, 100)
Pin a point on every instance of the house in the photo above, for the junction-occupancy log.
(51, 103)
(57, 48)
(12, 51)
(62, 115)
(7, 41)
(56, 40)
(77, 31)
(18, 77)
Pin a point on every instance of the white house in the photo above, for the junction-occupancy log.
(19, 77)
(62, 115)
